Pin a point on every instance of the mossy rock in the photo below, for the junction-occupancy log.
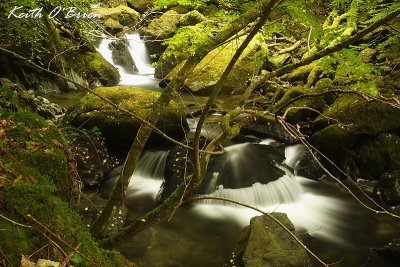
(140, 6)
(98, 68)
(358, 116)
(207, 73)
(375, 156)
(299, 109)
(40, 202)
(119, 128)
(122, 14)
(35, 179)
(165, 27)
(265, 243)
(113, 26)
(39, 148)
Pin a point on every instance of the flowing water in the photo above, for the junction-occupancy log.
(203, 234)
(145, 76)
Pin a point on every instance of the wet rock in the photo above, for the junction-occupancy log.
(272, 130)
(390, 251)
(91, 157)
(388, 188)
(237, 169)
(119, 128)
(265, 243)
(121, 56)
(48, 110)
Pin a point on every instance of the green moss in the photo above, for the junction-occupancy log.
(39, 201)
(15, 242)
(207, 73)
(98, 68)
(360, 116)
(112, 26)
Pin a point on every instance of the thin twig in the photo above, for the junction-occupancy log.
(14, 222)
(31, 218)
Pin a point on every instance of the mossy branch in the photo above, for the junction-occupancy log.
(320, 54)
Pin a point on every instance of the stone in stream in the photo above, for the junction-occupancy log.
(266, 244)
(121, 56)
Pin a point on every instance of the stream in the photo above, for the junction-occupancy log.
(203, 234)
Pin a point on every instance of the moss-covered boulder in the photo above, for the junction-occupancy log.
(265, 243)
(164, 27)
(123, 14)
(377, 155)
(99, 69)
(112, 26)
(207, 73)
(119, 128)
(140, 6)
(350, 117)
(356, 134)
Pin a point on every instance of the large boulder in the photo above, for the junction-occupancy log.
(266, 244)
(165, 27)
(357, 135)
(120, 128)
(122, 14)
(207, 73)
(140, 6)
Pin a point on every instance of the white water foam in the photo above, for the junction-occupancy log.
(145, 76)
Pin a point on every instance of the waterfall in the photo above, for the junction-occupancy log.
(136, 47)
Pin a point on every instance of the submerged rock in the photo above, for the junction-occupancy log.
(120, 128)
(266, 244)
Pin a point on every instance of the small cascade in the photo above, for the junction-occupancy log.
(152, 165)
(283, 190)
(138, 51)
(145, 76)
